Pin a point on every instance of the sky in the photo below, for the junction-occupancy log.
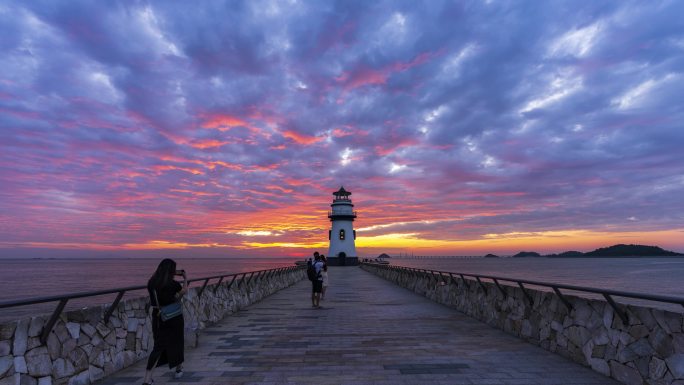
(221, 128)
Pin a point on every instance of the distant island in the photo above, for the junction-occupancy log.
(610, 252)
(631, 251)
(525, 254)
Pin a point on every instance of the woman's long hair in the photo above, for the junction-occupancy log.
(163, 275)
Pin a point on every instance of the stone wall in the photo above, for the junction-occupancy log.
(648, 349)
(82, 349)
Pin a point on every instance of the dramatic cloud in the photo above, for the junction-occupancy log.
(222, 128)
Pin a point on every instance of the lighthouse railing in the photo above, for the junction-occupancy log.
(342, 213)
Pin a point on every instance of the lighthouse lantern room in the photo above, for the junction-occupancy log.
(342, 235)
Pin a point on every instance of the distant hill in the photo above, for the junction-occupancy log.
(567, 254)
(631, 251)
(524, 254)
(611, 251)
(571, 254)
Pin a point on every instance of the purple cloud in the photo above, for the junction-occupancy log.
(126, 124)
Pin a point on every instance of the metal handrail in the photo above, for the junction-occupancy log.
(606, 293)
(64, 298)
(341, 213)
(53, 298)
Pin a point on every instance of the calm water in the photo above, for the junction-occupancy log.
(36, 278)
(20, 278)
(640, 275)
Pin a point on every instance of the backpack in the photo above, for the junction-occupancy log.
(311, 272)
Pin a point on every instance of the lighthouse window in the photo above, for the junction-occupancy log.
(342, 234)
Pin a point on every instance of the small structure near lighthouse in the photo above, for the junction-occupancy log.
(342, 235)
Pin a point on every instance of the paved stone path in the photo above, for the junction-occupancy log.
(369, 331)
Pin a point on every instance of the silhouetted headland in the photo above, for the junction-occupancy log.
(614, 251)
(524, 254)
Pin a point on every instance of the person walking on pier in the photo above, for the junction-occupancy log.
(324, 276)
(167, 318)
(311, 261)
(317, 283)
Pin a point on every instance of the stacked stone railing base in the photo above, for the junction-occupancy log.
(82, 349)
(649, 349)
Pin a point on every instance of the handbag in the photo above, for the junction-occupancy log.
(169, 311)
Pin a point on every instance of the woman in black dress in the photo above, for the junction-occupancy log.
(168, 335)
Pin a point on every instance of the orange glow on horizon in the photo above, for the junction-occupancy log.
(543, 242)
(506, 244)
(260, 245)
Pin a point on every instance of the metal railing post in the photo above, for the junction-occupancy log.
(204, 286)
(481, 285)
(500, 288)
(465, 282)
(114, 305)
(562, 298)
(529, 298)
(231, 282)
(618, 311)
(257, 277)
(53, 319)
(218, 284)
(242, 279)
(249, 279)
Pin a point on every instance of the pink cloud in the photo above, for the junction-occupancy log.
(207, 143)
(301, 138)
(224, 122)
(363, 75)
(387, 150)
(168, 167)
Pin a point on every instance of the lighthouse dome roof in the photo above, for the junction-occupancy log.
(342, 191)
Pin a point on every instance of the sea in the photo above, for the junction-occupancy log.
(31, 278)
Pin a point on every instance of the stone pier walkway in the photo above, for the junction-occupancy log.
(369, 331)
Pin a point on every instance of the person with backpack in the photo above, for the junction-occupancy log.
(309, 265)
(313, 272)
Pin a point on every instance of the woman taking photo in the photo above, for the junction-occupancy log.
(167, 318)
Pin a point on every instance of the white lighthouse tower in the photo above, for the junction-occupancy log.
(342, 235)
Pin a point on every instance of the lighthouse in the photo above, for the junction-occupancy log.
(342, 235)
